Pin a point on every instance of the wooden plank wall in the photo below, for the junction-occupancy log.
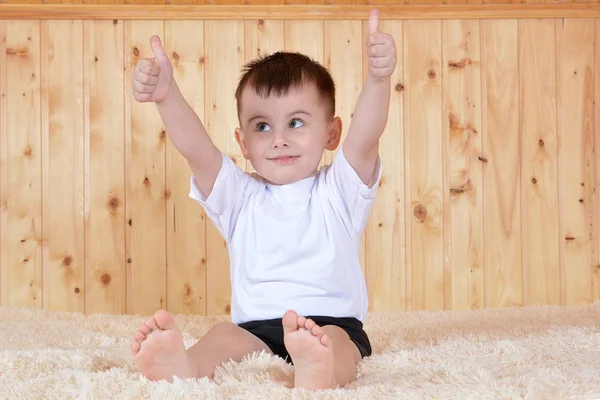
(488, 191)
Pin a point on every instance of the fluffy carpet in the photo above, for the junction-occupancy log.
(517, 353)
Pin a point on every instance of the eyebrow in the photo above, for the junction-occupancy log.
(290, 114)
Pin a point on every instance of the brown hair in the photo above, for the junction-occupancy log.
(281, 71)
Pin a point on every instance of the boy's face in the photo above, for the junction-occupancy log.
(284, 137)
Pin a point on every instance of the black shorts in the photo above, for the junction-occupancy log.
(271, 333)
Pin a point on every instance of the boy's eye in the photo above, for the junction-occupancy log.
(298, 125)
(262, 126)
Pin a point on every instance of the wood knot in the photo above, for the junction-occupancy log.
(162, 135)
(146, 181)
(399, 87)
(96, 58)
(541, 143)
(129, 261)
(175, 56)
(261, 22)
(67, 261)
(28, 152)
(77, 290)
(129, 222)
(203, 261)
(228, 309)
(115, 22)
(113, 203)
(136, 52)
(167, 194)
(187, 290)
(431, 74)
(420, 212)
(533, 180)
(201, 60)
(105, 279)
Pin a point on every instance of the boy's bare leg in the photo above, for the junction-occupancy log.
(159, 352)
(324, 357)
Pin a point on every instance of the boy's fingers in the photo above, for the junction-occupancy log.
(147, 66)
(157, 49)
(374, 21)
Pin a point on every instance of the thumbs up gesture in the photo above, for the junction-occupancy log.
(152, 77)
(381, 49)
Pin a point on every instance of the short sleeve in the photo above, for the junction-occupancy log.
(352, 198)
(224, 202)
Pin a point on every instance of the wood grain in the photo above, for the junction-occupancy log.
(502, 209)
(22, 142)
(463, 169)
(385, 242)
(146, 191)
(106, 270)
(575, 60)
(63, 165)
(186, 220)
(224, 60)
(297, 11)
(3, 169)
(539, 176)
(423, 131)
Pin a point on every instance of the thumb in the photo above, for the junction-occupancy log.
(157, 49)
(374, 21)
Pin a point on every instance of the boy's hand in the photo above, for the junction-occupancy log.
(152, 77)
(381, 49)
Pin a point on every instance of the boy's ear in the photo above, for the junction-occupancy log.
(334, 134)
(241, 139)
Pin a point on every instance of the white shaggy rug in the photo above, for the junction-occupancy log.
(517, 353)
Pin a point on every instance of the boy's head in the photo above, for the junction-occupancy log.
(286, 112)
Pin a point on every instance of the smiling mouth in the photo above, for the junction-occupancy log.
(284, 159)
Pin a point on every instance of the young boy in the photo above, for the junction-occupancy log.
(293, 231)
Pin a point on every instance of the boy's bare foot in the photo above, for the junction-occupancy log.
(158, 349)
(311, 352)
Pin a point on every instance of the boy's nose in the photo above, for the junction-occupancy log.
(279, 141)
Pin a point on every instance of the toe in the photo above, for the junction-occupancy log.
(317, 331)
(164, 320)
(325, 341)
(309, 324)
(290, 321)
(139, 336)
(135, 347)
(301, 320)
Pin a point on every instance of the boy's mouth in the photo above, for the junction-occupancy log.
(284, 159)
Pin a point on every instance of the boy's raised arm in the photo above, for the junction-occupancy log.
(371, 112)
(153, 82)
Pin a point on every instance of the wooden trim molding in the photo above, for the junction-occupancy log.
(295, 12)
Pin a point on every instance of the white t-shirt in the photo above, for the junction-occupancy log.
(295, 246)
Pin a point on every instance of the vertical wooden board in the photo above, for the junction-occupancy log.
(423, 146)
(344, 48)
(3, 166)
(463, 170)
(106, 275)
(186, 219)
(63, 165)
(224, 41)
(23, 208)
(305, 37)
(502, 210)
(596, 278)
(145, 187)
(261, 38)
(575, 46)
(539, 178)
(385, 245)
